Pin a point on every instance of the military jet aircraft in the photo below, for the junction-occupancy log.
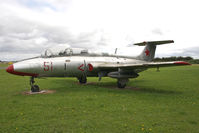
(81, 64)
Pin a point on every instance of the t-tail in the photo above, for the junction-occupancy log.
(149, 51)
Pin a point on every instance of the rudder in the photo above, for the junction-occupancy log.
(149, 51)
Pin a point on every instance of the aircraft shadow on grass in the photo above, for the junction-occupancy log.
(110, 85)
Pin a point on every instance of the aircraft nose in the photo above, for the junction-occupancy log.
(10, 69)
(21, 69)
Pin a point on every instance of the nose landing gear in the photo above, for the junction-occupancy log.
(82, 79)
(34, 88)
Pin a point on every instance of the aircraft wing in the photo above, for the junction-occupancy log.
(114, 66)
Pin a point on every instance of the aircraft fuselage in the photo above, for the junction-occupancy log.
(68, 63)
(71, 66)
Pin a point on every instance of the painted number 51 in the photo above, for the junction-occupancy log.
(48, 66)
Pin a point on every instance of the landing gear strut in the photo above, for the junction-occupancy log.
(121, 82)
(34, 88)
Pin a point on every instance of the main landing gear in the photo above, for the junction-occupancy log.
(34, 88)
(121, 82)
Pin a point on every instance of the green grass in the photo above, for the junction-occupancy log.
(156, 102)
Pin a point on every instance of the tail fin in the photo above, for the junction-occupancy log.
(149, 51)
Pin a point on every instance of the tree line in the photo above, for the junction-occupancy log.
(180, 58)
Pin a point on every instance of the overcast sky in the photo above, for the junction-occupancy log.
(28, 27)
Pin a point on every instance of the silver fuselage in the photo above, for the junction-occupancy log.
(82, 64)
(70, 66)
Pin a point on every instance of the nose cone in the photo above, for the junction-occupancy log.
(21, 69)
(10, 69)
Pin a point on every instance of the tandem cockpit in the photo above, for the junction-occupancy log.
(68, 51)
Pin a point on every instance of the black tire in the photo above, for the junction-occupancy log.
(119, 85)
(35, 88)
(82, 80)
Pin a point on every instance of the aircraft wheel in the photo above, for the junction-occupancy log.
(82, 80)
(121, 85)
(35, 88)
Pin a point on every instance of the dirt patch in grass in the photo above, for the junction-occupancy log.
(41, 92)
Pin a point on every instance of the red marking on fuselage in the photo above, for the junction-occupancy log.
(90, 67)
(48, 66)
(147, 52)
(10, 69)
(80, 67)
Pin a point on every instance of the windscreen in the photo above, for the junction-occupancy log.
(63, 51)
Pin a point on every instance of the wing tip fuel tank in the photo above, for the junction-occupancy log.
(181, 63)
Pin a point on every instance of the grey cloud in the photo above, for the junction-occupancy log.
(17, 36)
(157, 31)
(103, 41)
(88, 40)
(20, 36)
(192, 51)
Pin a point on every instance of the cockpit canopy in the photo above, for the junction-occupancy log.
(67, 51)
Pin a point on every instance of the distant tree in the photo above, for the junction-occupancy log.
(174, 58)
(194, 61)
(188, 58)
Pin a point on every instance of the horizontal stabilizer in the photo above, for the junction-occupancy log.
(154, 42)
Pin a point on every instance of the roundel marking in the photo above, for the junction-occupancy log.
(90, 67)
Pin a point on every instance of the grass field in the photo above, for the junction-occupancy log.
(156, 102)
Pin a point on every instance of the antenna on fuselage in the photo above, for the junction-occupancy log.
(115, 51)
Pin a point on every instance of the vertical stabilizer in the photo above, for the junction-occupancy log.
(149, 51)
